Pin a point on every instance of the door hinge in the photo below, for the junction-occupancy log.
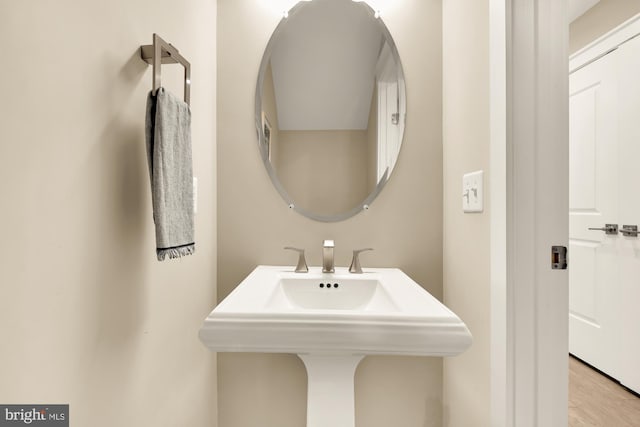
(558, 257)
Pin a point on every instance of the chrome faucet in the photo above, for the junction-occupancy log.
(327, 256)
(302, 262)
(355, 267)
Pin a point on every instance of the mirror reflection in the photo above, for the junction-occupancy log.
(330, 107)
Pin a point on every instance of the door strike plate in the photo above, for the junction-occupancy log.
(558, 257)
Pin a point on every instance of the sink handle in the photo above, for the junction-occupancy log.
(302, 262)
(355, 261)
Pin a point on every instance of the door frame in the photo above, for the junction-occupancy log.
(605, 44)
(529, 155)
(529, 302)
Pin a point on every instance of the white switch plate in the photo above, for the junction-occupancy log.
(472, 193)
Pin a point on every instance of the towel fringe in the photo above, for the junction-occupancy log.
(175, 252)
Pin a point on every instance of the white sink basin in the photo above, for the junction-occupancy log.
(337, 292)
(381, 311)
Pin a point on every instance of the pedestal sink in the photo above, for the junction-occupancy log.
(331, 321)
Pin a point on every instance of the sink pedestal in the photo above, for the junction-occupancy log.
(330, 395)
(331, 321)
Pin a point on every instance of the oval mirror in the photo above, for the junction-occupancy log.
(330, 108)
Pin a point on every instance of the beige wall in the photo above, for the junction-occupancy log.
(403, 224)
(604, 16)
(88, 316)
(466, 236)
(324, 171)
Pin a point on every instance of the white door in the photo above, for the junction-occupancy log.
(593, 202)
(629, 205)
(604, 279)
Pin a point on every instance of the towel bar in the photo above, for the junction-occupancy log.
(161, 52)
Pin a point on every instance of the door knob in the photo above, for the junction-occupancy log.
(608, 229)
(629, 230)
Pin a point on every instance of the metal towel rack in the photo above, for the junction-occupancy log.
(161, 52)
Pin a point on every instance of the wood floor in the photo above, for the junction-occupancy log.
(596, 400)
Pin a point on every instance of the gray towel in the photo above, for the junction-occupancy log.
(168, 137)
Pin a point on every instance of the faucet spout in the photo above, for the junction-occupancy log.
(327, 256)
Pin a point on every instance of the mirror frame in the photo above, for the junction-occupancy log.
(264, 151)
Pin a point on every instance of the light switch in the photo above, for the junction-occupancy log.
(472, 192)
